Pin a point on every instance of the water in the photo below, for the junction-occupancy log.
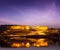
(50, 47)
(25, 42)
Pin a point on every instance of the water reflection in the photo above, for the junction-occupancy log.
(18, 42)
(27, 42)
(40, 42)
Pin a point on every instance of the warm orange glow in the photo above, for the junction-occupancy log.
(17, 45)
(34, 44)
(41, 33)
(23, 44)
(40, 42)
(37, 45)
(8, 30)
(27, 27)
(43, 28)
(15, 27)
(14, 35)
(44, 44)
(28, 45)
(4, 31)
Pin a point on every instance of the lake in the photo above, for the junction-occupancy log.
(50, 47)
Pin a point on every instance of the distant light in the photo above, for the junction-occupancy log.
(15, 27)
(27, 27)
(43, 28)
(41, 33)
(17, 45)
(28, 45)
(37, 45)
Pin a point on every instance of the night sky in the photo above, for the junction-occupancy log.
(30, 12)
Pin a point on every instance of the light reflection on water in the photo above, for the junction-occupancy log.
(19, 42)
(31, 42)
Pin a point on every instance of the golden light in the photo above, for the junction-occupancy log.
(34, 44)
(27, 27)
(41, 42)
(17, 45)
(15, 27)
(37, 45)
(28, 45)
(11, 35)
(41, 33)
(43, 28)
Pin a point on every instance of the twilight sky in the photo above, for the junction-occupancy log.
(30, 12)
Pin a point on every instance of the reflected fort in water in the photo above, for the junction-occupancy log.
(18, 36)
